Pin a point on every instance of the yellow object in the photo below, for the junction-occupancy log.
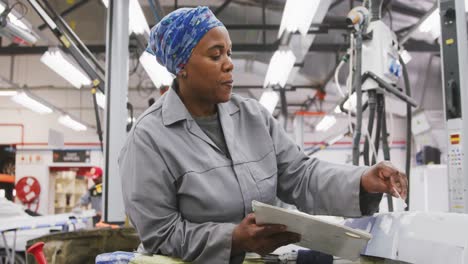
(65, 41)
(72, 24)
(450, 41)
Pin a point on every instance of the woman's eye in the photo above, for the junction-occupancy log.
(216, 57)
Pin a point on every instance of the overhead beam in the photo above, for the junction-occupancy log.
(411, 45)
(36, 50)
(405, 9)
(67, 11)
(222, 7)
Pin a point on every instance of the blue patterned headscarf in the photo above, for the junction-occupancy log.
(173, 39)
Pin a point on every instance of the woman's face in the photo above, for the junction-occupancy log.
(209, 69)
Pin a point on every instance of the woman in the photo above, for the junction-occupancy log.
(197, 158)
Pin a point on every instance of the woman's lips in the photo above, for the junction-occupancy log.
(228, 83)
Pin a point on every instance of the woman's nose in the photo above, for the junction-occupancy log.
(228, 66)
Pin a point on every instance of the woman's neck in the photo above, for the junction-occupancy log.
(195, 105)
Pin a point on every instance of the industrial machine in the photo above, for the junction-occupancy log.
(453, 43)
(375, 68)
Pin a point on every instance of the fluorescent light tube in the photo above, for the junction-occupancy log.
(158, 73)
(8, 93)
(335, 139)
(431, 24)
(326, 123)
(101, 99)
(298, 15)
(351, 103)
(466, 6)
(269, 100)
(279, 69)
(26, 101)
(64, 66)
(136, 18)
(70, 123)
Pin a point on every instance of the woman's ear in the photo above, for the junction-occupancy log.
(183, 74)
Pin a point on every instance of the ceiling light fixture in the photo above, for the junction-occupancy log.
(326, 123)
(298, 15)
(28, 102)
(279, 68)
(67, 121)
(101, 99)
(431, 24)
(269, 100)
(8, 93)
(137, 21)
(350, 104)
(65, 66)
(158, 74)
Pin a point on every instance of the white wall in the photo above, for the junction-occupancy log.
(36, 128)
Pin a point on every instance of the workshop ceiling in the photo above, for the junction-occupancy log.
(252, 50)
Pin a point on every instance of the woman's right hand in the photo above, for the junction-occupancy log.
(261, 239)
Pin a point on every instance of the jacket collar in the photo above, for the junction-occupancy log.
(174, 110)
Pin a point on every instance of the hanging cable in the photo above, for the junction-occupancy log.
(357, 84)
(371, 145)
(385, 146)
(378, 129)
(408, 127)
(390, 130)
(349, 84)
(368, 140)
(343, 60)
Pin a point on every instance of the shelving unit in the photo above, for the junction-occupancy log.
(68, 188)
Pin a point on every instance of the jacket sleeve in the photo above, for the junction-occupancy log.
(315, 186)
(150, 200)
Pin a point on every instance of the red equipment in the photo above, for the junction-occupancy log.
(28, 190)
(36, 251)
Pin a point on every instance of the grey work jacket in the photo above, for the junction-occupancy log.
(184, 196)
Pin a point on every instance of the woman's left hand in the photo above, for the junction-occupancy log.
(383, 177)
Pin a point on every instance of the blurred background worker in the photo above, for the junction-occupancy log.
(94, 194)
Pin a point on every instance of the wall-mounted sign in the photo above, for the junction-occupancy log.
(74, 156)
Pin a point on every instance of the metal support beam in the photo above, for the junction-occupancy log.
(116, 112)
(411, 45)
(335, 4)
(67, 11)
(222, 7)
(415, 27)
(264, 20)
(403, 9)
